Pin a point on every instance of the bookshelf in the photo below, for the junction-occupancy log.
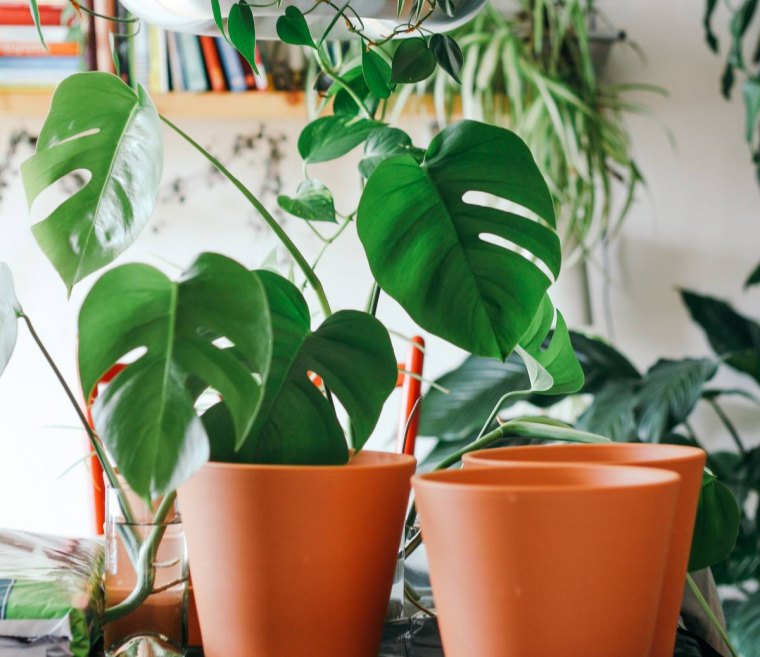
(183, 105)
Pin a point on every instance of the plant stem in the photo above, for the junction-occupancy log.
(95, 441)
(729, 426)
(144, 568)
(497, 408)
(333, 74)
(710, 614)
(303, 265)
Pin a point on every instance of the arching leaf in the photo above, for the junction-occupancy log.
(351, 352)
(716, 526)
(242, 31)
(9, 314)
(99, 124)
(425, 243)
(146, 415)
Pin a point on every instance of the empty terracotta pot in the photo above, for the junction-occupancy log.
(688, 462)
(295, 561)
(547, 561)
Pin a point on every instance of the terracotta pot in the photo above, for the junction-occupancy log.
(688, 462)
(547, 561)
(295, 561)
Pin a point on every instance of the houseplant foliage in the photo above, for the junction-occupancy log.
(535, 70)
(656, 405)
(474, 275)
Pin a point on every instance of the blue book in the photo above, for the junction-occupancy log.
(233, 69)
(46, 63)
(193, 68)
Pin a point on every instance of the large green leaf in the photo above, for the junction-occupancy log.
(146, 415)
(730, 334)
(331, 137)
(425, 243)
(669, 393)
(717, 524)
(97, 124)
(9, 314)
(351, 351)
(744, 626)
(612, 412)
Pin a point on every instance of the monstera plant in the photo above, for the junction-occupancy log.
(473, 274)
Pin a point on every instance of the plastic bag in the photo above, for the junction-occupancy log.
(51, 598)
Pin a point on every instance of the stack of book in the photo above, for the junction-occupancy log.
(24, 61)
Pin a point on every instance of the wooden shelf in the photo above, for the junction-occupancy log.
(250, 105)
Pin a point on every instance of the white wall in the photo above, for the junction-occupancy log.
(696, 226)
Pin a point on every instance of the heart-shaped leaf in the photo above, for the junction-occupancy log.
(146, 415)
(447, 53)
(386, 142)
(96, 123)
(242, 30)
(717, 524)
(331, 137)
(377, 73)
(670, 390)
(444, 258)
(293, 29)
(351, 352)
(313, 202)
(413, 61)
(10, 310)
(344, 102)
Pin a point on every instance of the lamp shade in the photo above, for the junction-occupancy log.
(378, 17)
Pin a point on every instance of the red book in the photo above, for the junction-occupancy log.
(21, 14)
(213, 64)
(250, 80)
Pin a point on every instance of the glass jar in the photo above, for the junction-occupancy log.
(155, 623)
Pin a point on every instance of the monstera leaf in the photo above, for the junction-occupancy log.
(146, 415)
(97, 124)
(9, 313)
(351, 352)
(471, 274)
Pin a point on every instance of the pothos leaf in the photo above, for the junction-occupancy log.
(331, 137)
(218, 19)
(10, 310)
(448, 54)
(383, 143)
(313, 202)
(413, 61)
(242, 31)
(293, 29)
(377, 73)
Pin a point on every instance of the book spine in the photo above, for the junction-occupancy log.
(28, 34)
(91, 46)
(233, 69)
(103, 29)
(20, 14)
(140, 60)
(213, 65)
(175, 63)
(29, 49)
(194, 72)
(123, 45)
(158, 75)
(33, 63)
(250, 81)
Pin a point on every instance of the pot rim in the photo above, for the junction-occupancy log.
(466, 480)
(378, 460)
(630, 454)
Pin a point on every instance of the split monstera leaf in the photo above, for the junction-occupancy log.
(461, 234)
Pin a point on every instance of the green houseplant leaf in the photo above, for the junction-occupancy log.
(146, 415)
(383, 143)
(425, 243)
(333, 136)
(313, 202)
(9, 314)
(731, 335)
(377, 73)
(601, 362)
(96, 123)
(717, 524)
(413, 61)
(293, 29)
(744, 625)
(612, 412)
(447, 53)
(670, 390)
(352, 354)
(242, 31)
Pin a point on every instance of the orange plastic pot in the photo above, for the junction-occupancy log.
(295, 561)
(547, 561)
(687, 462)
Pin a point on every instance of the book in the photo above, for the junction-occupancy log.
(158, 80)
(19, 13)
(32, 63)
(193, 69)
(213, 65)
(36, 49)
(139, 56)
(175, 63)
(28, 34)
(233, 69)
(103, 29)
(250, 80)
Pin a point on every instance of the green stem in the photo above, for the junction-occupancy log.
(497, 408)
(97, 445)
(144, 568)
(303, 265)
(710, 614)
(333, 74)
(729, 426)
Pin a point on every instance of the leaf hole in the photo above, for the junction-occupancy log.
(58, 192)
(504, 243)
(78, 135)
(486, 200)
